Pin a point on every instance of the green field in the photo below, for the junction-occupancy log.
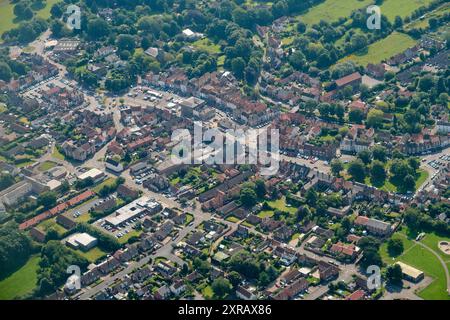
(125, 238)
(423, 23)
(49, 224)
(424, 260)
(390, 187)
(207, 45)
(432, 240)
(332, 10)
(107, 182)
(265, 214)
(57, 155)
(92, 255)
(232, 219)
(21, 282)
(7, 17)
(383, 49)
(281, 205)
(47, 165)
(402, 8)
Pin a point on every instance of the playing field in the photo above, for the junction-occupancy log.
(383, 49)
(332, 10)
(21, 282)
(424, 260)
(402, 8)
(7, 15)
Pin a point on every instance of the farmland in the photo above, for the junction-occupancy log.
(383, 49)
(402, 8)
(332, 10)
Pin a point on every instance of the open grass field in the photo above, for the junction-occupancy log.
(8, 19)
(402, 8)
(432, 240)
(423, 23)
(21, 282)
(51, 224)
(47, 165)
(424, 260)
(207, 45)
(332, 10)
(383, 49)
(57, 154)
(125, 238)
(265, 214)
(92, 255)
(281, 205)
(107, 182)
(6, 16)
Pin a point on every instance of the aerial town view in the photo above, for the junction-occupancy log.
(232, 150)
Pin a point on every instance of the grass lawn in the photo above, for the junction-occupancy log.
(2, 107)
(424, 260)
(85, 217)
(432, 240)
(402, 8)
(233, 219)
(21, 282)
(265, 214)
(92, 255)
(189, 218)
(281, 205)
(207, 45)
(407, 244)
(125, 238)
(332, 10)
(47, 165)
(382, 49)
(107, 182)
(7, 16)
(51, 224)
(389, 186)
(58, 155)
(423, 23)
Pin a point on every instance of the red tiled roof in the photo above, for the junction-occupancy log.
(56, 210)
(347, 79)
(357, 295)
